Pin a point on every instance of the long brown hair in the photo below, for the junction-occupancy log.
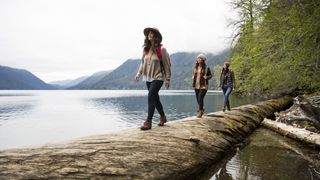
(225, 70)
(202, 65)
(147, 43)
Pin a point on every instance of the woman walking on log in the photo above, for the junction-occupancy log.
(227, 84)
(200, 81)
(155, 68)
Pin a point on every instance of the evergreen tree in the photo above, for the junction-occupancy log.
(278, 48)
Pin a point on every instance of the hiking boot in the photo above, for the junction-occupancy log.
(146, 125)
(228, 107)
(163, 119)
(224, 108)
(200, 113)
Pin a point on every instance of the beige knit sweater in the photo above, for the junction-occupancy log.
(150, 67)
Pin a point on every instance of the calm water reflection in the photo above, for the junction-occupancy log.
(37, 117)
(13, 106)
(268, 155)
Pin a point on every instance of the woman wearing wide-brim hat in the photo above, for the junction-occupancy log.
(156, 71)
(200, 81)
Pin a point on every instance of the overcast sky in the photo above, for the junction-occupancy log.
(66, 39)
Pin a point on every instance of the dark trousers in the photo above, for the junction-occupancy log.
(200, 93)
(153, 98)
(226, 92)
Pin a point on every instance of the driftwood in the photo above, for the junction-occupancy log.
(179, 150)
(304, 113)
(293, 132)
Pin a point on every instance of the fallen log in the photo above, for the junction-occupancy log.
(293, 132)
(179, 150)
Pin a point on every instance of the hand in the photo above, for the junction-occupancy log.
(167, 84)
(137, 78)
(205, 77)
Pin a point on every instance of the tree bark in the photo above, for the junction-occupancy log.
(179, 150)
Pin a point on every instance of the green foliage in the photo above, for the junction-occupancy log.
(216, 76)
(281, 55)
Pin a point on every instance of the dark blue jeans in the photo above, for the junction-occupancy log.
(226, 92)
(153, 98)
(200, 93)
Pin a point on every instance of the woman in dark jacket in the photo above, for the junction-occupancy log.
(200, 77)
(227, 84)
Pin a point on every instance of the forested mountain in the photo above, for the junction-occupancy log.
(181, 67)
(68, 83)
(14, 79)
(120, 78)
(91, 80)
(277, 48)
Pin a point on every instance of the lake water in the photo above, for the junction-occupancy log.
(38, 117)
(30, 118)
(267, 155)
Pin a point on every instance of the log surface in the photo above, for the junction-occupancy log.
(179, 150)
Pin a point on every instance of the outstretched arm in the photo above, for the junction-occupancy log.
(139, 73)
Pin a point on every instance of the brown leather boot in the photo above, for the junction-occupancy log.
(201, 112)
(198, 113)
(146, 125)
(163, 119)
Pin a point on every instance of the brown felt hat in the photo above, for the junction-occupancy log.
(154, 30)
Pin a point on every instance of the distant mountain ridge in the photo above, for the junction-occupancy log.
(20, 79)
(68, 83)
(91, 80)
(181, 67)
(118, 79)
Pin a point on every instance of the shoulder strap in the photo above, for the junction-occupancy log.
(159, 54)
